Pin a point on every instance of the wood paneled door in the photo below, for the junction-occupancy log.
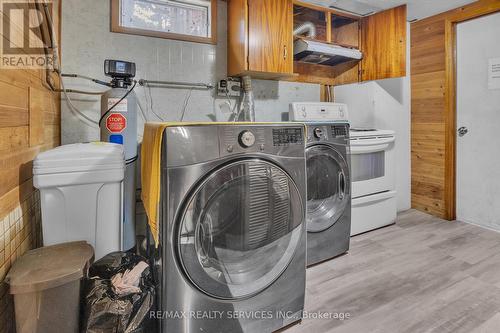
(383, 39)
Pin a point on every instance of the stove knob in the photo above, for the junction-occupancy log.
(304, 112)
(318, 133)
(246, 139)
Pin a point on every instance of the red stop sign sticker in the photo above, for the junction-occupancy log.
(116, 123)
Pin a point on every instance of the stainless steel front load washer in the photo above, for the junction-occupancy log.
(232, 227)
(328, 179)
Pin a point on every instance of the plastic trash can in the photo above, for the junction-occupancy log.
(45, 283)
(81, 194)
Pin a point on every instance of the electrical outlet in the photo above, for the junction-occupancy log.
(230, 87)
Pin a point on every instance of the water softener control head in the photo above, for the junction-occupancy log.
(118, 69)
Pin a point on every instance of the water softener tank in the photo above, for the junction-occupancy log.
(120, 126)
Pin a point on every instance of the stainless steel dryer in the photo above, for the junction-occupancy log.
(328, 179)
(233, 227)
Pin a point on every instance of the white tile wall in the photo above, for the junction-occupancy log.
(156, 59)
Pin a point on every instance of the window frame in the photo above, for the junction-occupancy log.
(116, 27)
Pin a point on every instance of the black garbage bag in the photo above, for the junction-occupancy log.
(106, 312)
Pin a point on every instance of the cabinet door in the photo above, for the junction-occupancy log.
(270, 40)
(237, 37)
(383, 43)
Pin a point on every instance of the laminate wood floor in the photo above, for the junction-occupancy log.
(423, 274)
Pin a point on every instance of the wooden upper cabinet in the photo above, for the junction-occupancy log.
(383, 43)
(270, 27)
(237, 37)
(260, 41)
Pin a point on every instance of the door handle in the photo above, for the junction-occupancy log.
(285, 52)
(462, 131)
(341, 185)
(201, 234)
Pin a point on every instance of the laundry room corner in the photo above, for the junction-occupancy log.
(249, 166)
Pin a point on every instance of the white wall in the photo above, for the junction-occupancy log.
(385, 104)
(87, 42)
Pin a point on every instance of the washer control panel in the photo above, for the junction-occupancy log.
(326, 132)
(211, 142)
(318, 112)
(279, 139)
(340, 131)
(287, 136)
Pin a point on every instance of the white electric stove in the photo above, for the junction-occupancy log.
(373, 167)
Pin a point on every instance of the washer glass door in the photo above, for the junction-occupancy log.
(328, 189)
(240, 229)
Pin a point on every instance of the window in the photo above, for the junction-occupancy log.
(189, 20)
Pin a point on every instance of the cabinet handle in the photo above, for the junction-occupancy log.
(285, 52)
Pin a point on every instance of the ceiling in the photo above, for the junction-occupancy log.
(417, 9)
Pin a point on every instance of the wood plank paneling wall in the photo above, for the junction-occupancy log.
(29, 123)
(427, 116)
(433, 108)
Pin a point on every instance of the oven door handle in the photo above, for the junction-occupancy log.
(366, 146)
(372, 142)
(368, 149)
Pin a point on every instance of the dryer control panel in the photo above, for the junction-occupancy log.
(308, 112)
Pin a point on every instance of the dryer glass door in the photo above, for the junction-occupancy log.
(240, 229)
(328, 190)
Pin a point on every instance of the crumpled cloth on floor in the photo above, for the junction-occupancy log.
(127, 283)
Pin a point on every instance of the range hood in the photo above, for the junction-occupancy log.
(315, 52)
